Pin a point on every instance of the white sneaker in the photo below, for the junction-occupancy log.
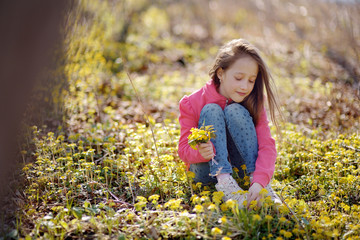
(231, 189)
(274, 197)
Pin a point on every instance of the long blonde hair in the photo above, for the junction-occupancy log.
(254, 102)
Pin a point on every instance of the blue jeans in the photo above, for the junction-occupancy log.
(235, 143)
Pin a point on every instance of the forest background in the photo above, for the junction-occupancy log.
(98, 154)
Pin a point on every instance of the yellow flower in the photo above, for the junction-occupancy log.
(154, 198)
(212, 207)
(204, 199)
(256, 217)
(191, 174)
(215, 231)
(268, 200)
(179, 193)
(217, 196)
(263, 192)
(325, 220)
(322, 192)
(223, 207)
(202, 135)
(282, 219)
(222, 220)
(279, 238)
(141, 199)
(230, 203)
(243, 167)
(205, 193)
(268, 218)
(345, 207)
(130, 216)
(139, 206)
(195, 199)
(253, 203)
(283, 209)
(287, 234)
(173, 204)
(335, 233)
(225, 238)
(242, 191)
(198, 185)
(198, 209)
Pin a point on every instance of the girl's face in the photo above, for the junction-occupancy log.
(237, 81)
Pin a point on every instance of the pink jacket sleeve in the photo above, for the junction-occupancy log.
(265, 163)
(187, 121)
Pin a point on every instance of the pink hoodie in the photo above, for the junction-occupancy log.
(190, 108)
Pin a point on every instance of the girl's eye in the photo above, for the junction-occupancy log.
(239, 79)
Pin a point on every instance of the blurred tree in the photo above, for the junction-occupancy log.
(29, 31)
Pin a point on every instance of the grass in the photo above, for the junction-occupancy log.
(90, 190)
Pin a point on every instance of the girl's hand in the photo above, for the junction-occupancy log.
(206, 150)
(254, 194)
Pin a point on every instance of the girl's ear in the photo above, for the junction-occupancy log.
(219, 73)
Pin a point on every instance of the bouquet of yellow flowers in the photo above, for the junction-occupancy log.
(200, 135)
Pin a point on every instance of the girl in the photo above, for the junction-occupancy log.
(233, 102)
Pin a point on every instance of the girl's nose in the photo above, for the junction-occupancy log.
(243, 84)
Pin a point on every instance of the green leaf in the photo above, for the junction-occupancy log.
(77, 212)
(64, 224)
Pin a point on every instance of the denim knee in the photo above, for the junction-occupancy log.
(209, 111)
(237, 112)
(212, 108)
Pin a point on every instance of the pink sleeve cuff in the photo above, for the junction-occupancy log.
(262, 179)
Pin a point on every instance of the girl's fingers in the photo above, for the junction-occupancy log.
(251, 197)
(206, 150)
(206, 153)
(205, 145)
(258, 199)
